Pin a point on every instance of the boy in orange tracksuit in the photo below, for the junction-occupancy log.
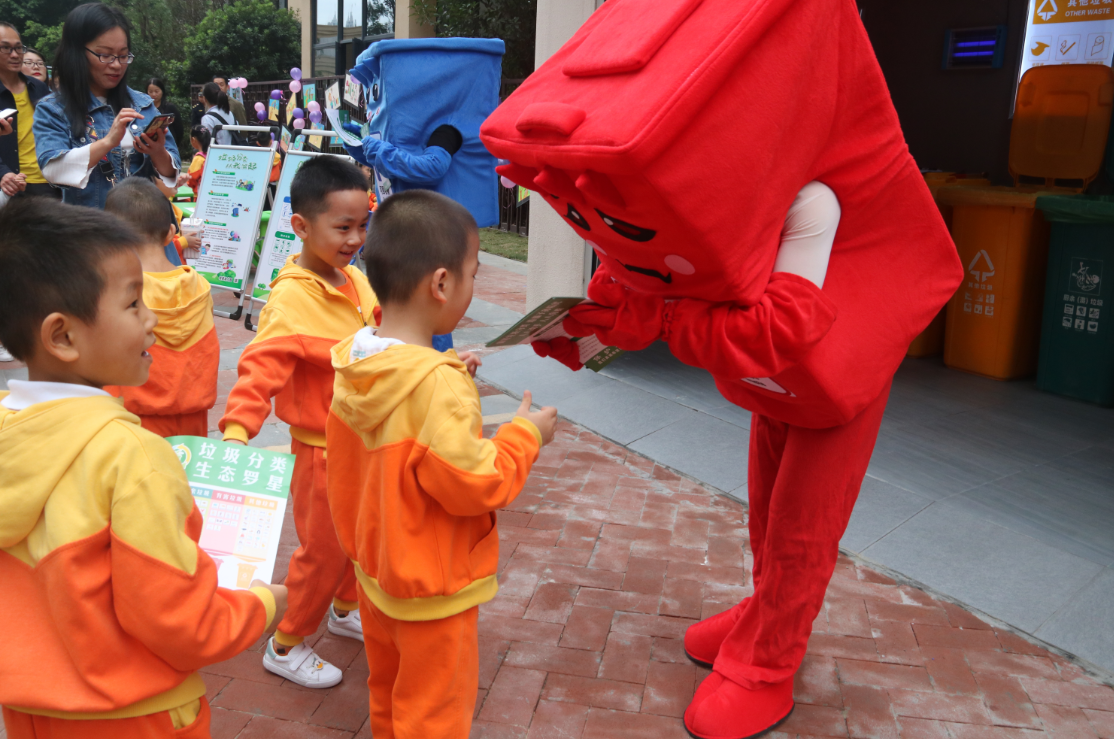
(182, 386)
(107, 605)
(316, 300)
(413, 485)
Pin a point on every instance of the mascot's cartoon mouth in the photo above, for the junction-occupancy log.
(667, 279)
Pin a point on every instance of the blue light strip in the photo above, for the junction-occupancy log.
(973, 53)
(964, 44)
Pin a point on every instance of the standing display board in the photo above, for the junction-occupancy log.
(241, 493)
(1068, 32)
(280, 240)
(229, 205)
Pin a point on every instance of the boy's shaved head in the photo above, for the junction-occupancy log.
(412, 234)
(140, 203)
(50, 257)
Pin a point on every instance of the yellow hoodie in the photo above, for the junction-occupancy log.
(289, 358)
(107, 605)
(186, 354)
(413, 485)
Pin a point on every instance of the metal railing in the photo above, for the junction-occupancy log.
(513, 217)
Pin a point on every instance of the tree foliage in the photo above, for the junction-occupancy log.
(513, 21)
(380, 17)
(249, 38)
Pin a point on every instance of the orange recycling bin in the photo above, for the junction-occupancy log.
(993, 326)
(1057, 142)
(930, 342)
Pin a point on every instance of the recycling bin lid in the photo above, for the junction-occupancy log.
(1093, 209)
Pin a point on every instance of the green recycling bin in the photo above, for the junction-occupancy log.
(1077, 336)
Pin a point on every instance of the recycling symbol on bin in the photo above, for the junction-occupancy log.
(1047, 10)
(981, 274)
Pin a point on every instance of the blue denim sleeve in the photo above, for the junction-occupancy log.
(52, 131)
(426, 168)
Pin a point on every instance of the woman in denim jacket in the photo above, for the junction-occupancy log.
(88, 133)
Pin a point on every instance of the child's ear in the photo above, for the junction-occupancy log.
(298, 223)
(55, 335)
(171, 232)
(437, 285)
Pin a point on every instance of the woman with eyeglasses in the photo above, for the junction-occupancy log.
(91, 132)
(34, 65)
(19, 165)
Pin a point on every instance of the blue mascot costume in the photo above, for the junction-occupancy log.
(426, 101)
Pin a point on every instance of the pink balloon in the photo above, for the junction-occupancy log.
(299, 123)
(295, 86)
(506, 183)
(243, 83)
(260, 107)
(314, 106)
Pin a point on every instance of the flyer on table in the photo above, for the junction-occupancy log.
(241, 492)
(228, 205)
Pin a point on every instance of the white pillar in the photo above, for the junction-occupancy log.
(559, 259)
(407, 25)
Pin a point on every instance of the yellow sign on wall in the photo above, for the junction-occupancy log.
(1071, 11)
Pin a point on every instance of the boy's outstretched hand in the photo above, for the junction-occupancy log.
(279, 591)
(471, 361)
(545, 419)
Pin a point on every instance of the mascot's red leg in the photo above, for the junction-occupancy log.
(803, 484)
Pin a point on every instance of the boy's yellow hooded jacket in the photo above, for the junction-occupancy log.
(289, 358)
(186, 353)
(107, 605)
(413, 485)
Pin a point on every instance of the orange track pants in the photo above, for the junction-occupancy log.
(154, 726)
(424, 674)
(181, 424)
(319, 569)
(802, 486)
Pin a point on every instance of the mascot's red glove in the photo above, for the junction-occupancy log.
(761, 340)
(564, 351)
(619, 316)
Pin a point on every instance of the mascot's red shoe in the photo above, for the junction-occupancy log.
(702, 639)
(722, 709)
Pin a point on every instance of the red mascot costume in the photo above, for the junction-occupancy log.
(674, 136)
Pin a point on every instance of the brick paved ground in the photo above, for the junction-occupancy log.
(606, 558)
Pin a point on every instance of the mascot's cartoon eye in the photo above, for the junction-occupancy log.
(627, 230)
(574, 215)
(375, 91)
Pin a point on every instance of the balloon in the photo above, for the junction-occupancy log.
(506, 183)
(260, 107)
(314, 106)
(295, 74)
(299, 113)
(276, 95)
(243, 83)
(315, 116)
(299, 124)
(295, 86)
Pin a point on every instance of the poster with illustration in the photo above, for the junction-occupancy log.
(351, 90)
(273, 110)
(332, 95)
(242, 493)
(229, 205)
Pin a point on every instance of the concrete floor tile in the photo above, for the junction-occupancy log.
(880, 509)
(710, 450)
(1014, 577)
(1083, 625)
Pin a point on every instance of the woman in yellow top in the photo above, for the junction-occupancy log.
(19, 168)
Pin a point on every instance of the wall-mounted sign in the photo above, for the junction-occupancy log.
(1068, 32)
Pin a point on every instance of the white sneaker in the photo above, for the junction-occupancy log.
(302, 666)
(349, 625)
(5, 355)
